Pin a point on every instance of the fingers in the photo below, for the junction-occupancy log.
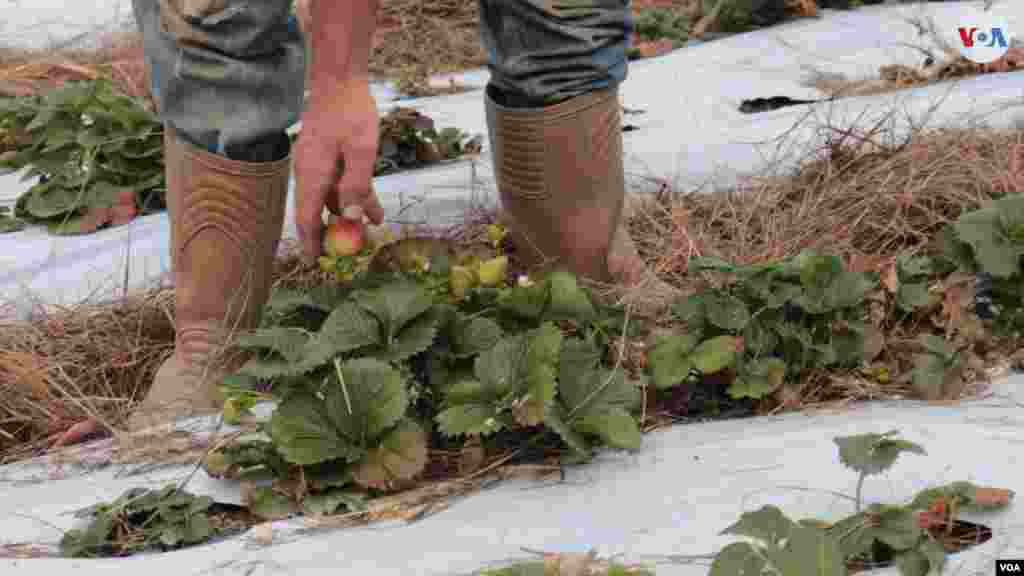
(313, 179)
(356, 185)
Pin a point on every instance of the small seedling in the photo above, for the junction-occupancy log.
(915, 537)
(142, 519)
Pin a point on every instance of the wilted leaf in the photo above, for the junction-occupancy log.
(967, 495)
(401, 455)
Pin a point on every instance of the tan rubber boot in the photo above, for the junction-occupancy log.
(561, 182)
(226, 222)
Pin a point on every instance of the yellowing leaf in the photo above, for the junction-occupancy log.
(716, 354)
(492, 272)
(401, 455)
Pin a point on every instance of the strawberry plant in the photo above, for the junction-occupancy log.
(143, 519)
(409, 139)
(915, 537)
(771, 322)
(9, 223)
(991, 241)
(96, 155)
(367, 375)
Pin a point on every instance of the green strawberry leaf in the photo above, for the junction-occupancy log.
(738, 559)
(669, 361)
(361, 401)
(872, 453)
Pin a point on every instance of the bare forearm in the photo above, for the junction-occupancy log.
(342, 37)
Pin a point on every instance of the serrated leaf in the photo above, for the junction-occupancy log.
(526, 302)
(983, 232)
(912, 296)
(567, 300)
(473, 418)
(472, 336)
(555, 420)
(539, 379)
(290, 343)
(597, 402)
(10, 225)
(417, 336)
(935, 554)
(331, 501)
(267, 368)
(692, 311)
(714, 355)
(873, 453)
(371, 399)
(304, 431)
(808, 552)
(349, 327)
(327, 475)
(197, 529)
(968, 496)
(727, 312)
(911, 267)
(400, 455)
(759, 379)
(767, 524)
(937, 346)
(616, 427)
(266, 503)
(395, 304)
(367, 399)
(669, 361)
(930, 376)
(738, 559)
(894, 526)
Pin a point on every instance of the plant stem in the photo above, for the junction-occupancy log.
(860, 486)
(344, 389)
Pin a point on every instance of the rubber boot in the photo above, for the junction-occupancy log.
(226, 221)
(561, 182)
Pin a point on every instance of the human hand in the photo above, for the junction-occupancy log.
(335, 157)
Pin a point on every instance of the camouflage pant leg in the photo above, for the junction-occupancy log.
(228, 74)
(544, 51)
